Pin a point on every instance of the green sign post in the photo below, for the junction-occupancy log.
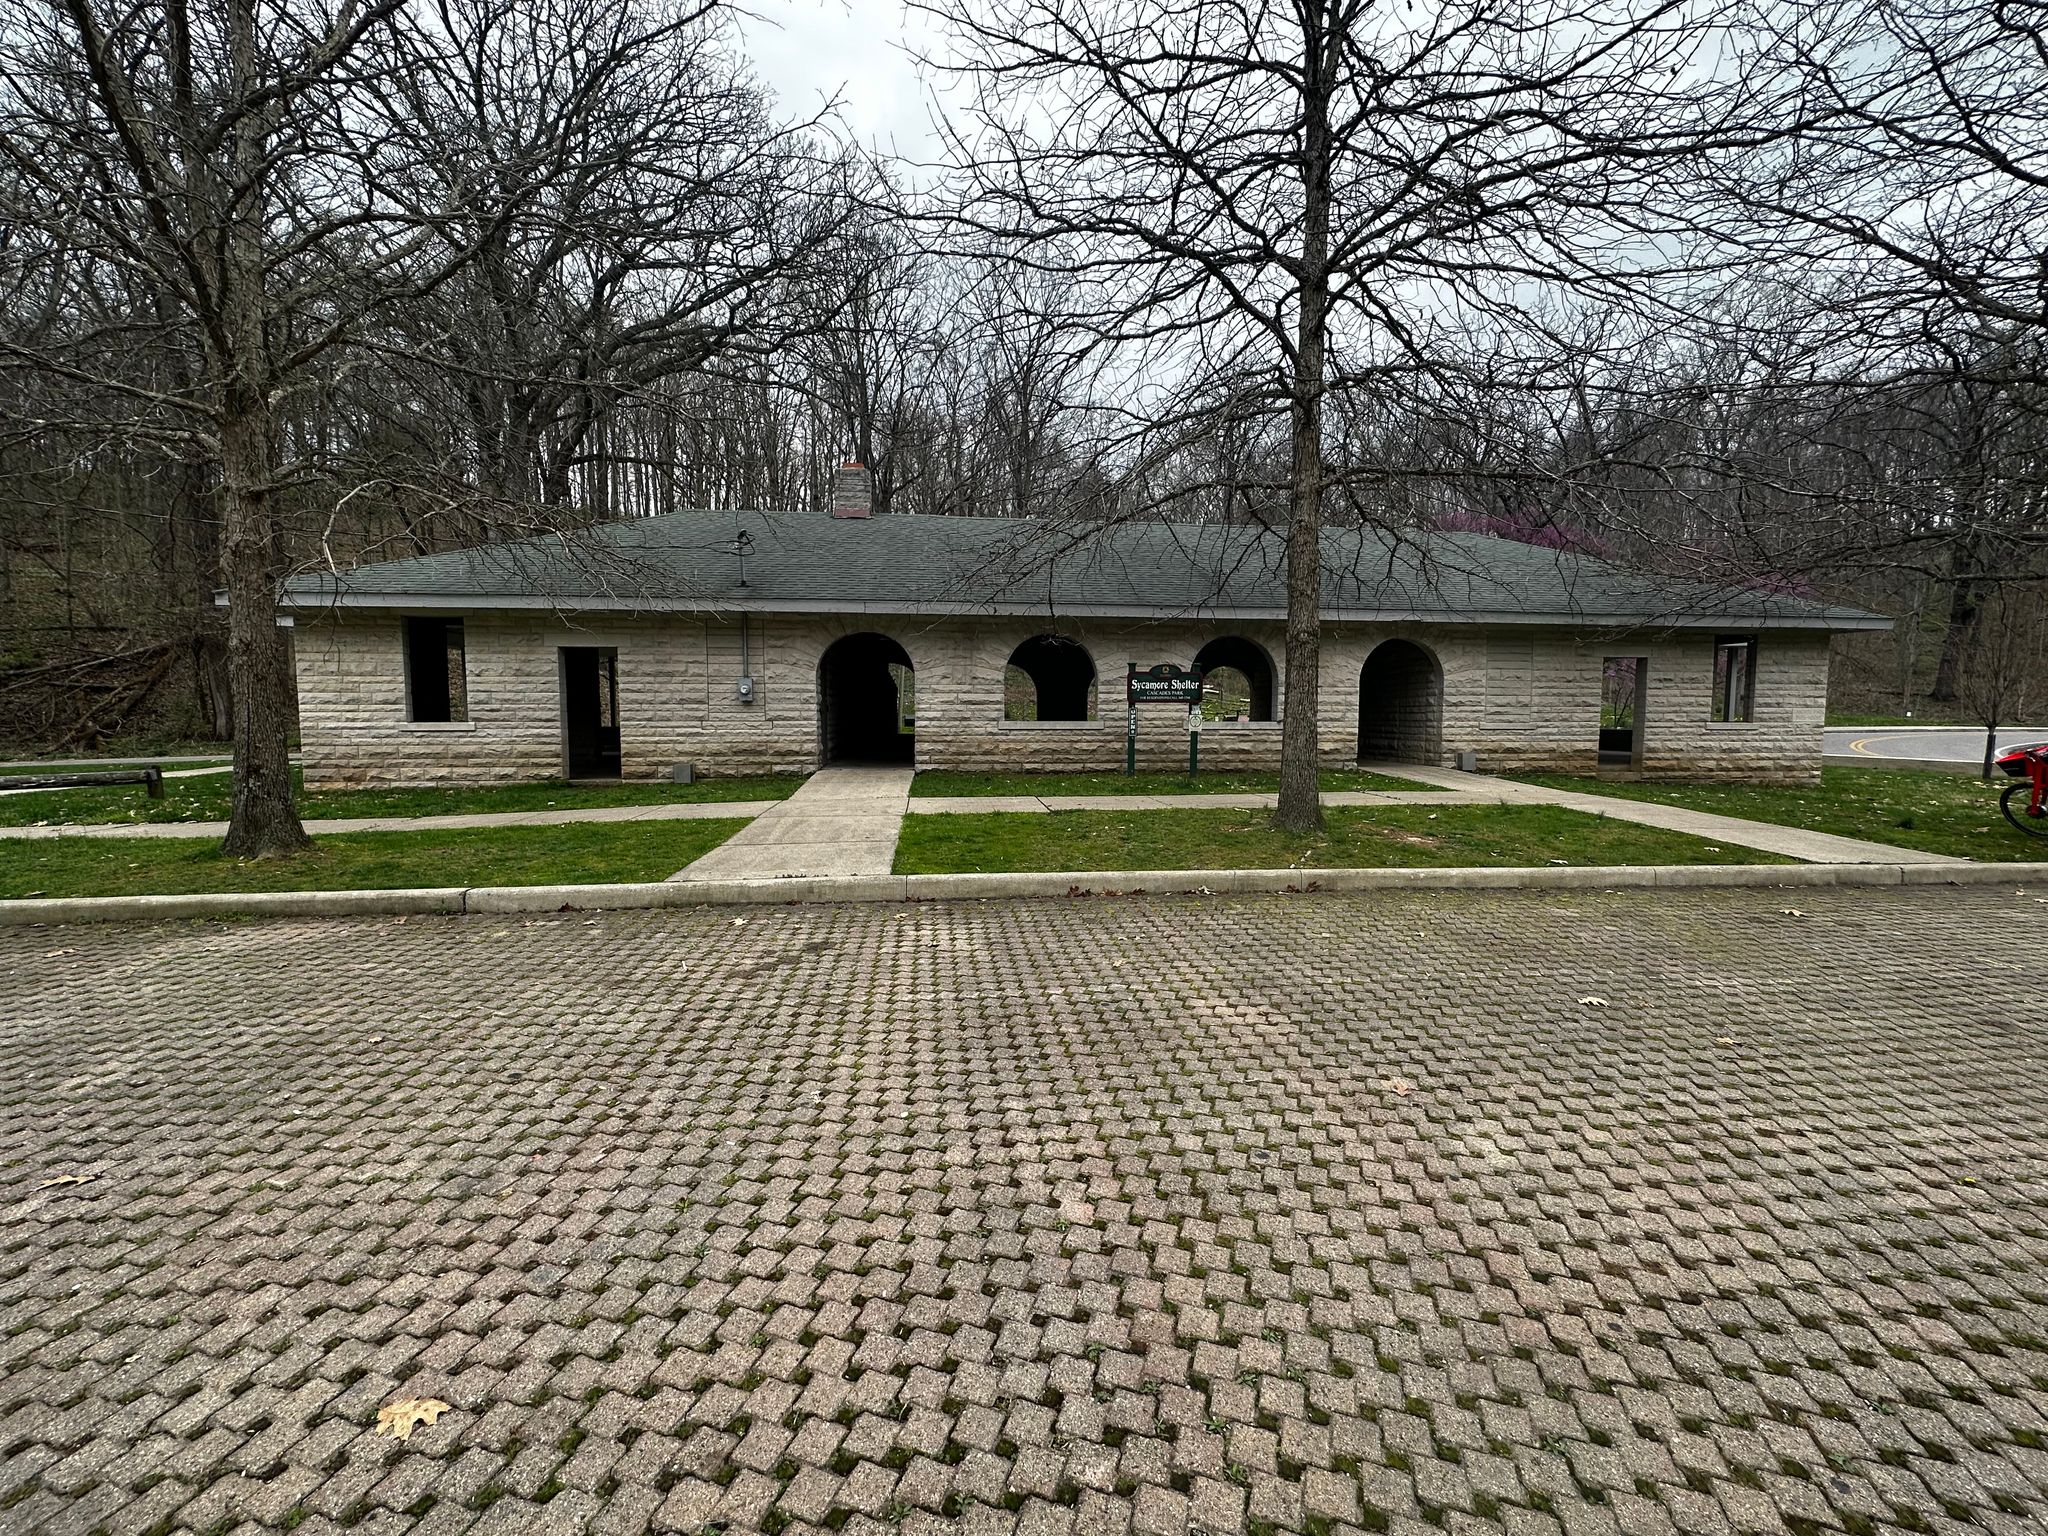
(1163, 684)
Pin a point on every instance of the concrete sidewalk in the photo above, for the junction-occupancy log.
(969, 805)
(687, 810)
(843, 821)
(1792, 842)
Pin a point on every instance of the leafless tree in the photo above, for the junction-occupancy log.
(1281, 203)
(874, 356)
(1906, 225)
(272, 242)
(1920, 183)
(634, 216)
(205, 179)
(2004, 675)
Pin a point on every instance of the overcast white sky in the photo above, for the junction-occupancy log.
(807, 51)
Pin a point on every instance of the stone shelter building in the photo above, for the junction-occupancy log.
(761, 641)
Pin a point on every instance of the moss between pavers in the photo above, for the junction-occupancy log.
(1409, 836)
(581, 853)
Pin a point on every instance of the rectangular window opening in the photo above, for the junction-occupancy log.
(436, 683)
(1734, 678)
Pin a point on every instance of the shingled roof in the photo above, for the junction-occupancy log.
(813, 563)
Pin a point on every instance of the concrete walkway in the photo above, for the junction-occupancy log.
(330, 826)
(1791, 842)
(843, 821)
(967, 805)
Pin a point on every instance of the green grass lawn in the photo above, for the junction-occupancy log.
(1841, 717)
(1406, 836)
(587, 853)
(207, 799)
(938, 783)
(1932, 812)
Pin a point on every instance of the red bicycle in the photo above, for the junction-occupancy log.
(2025, 803)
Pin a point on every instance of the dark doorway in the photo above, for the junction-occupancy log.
(590, 711)
(1400, 705)
(866, 702)
(1624, 682)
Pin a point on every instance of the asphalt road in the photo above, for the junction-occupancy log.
(1942, 743)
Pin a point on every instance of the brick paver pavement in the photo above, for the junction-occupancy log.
(1606, 1215)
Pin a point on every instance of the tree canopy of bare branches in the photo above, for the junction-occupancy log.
(1299, 208)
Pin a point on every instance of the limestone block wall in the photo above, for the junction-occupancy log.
(677, 698)
(1535, 705)
(1520, 699)
(960, 699)
(352, 706)
(1782, 743)
(1458, 651)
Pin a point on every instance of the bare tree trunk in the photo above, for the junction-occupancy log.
(263, 820)
(212, 695)
(1908, 653)
(1966, 598)
(1300, 805)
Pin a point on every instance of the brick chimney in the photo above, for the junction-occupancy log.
(853, 490)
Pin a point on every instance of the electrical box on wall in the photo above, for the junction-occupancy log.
(746, 690)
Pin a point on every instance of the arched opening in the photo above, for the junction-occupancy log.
(1400, 705)
(1049, 677)
(1237, 679)
(867, 702)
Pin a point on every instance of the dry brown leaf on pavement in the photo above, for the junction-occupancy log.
(1592, 1002)
(1791, 912)
(400, 1419)
(1399, 1085)
(67, 1178)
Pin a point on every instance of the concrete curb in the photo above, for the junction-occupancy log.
(146, 909)
(451, 900)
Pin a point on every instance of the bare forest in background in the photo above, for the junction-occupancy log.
(1749, 292)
